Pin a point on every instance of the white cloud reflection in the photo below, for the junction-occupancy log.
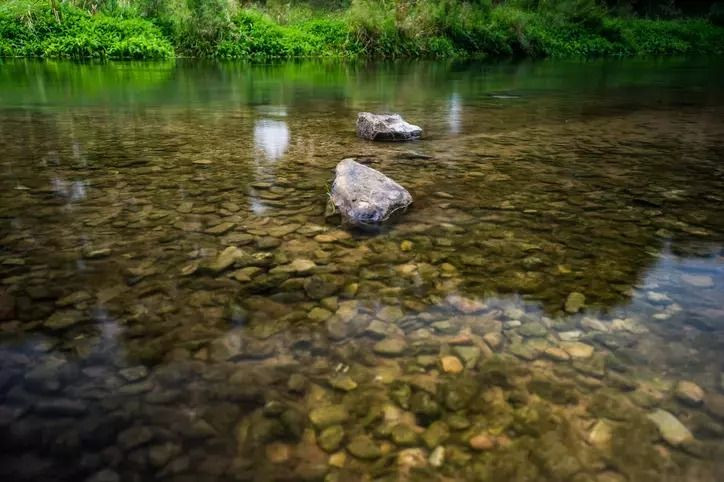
(271, 137)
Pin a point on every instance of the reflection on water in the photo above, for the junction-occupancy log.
(454, 114)
(550, 308)
(271, 137)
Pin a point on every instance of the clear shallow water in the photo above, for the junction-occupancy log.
(129, 352)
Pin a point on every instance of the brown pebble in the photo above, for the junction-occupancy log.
(482, 442)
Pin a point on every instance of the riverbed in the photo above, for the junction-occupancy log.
(550, 307)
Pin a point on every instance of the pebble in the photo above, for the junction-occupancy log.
(63, 319)
(689, 393)
(469, 354)
(363, 447)
(670, 428)
(324, 417)
(277, 452)
(437, 457)
(343, 383)
(593, 324)
(390, 347)
(556, 354)
(699, 281)
(404, 435)
(133, 374)
(331, 438)
(225, 259)
(533, 330)
(571, 335)
(412, 457)
(494, 340)
(482, 442)
(451, 364)
(576, 349)
(601, 433)
(390, 314)
(575, 302)
(220, 228)
(466, 305)
(134, 437)
(319, 315)
(73, 298)
(437, 433)
(338, 459)
(159, 455)
(658, 298)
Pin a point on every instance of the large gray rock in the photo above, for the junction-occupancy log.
(385, 127)
(364, 196)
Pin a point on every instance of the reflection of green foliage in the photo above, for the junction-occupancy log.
(56, 81)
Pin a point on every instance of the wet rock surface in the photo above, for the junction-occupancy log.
(386, 127)
(364, 196)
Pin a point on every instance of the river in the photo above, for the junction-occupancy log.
(551, 306)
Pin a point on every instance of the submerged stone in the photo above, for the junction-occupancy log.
(670, 428)
(390, 347)
(343, 382)
(423, 404)
(689, 393)
(363, 447)
(437, 457)
(403, 435)
(576, 349)
(224, 260)
(451, 364)
(482, 442)
(331, 438)
(533, 329)
(323, 417)
(699, 281)
(437, 433)
(601, 433)
(575, 302)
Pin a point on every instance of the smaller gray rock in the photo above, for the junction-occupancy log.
(386, 127)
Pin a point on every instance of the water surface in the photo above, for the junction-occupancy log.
(532, 316)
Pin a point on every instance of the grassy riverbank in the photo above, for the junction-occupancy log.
(360, 28)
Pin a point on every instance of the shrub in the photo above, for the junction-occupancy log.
(37, 33)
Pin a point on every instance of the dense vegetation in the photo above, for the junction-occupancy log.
(352, 28)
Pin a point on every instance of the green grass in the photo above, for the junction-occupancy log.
(149, 29)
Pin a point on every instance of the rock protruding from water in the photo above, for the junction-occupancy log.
(386, 127)
(364, 196)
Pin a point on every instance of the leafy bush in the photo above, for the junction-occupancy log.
(349, 28)
(38, 33)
